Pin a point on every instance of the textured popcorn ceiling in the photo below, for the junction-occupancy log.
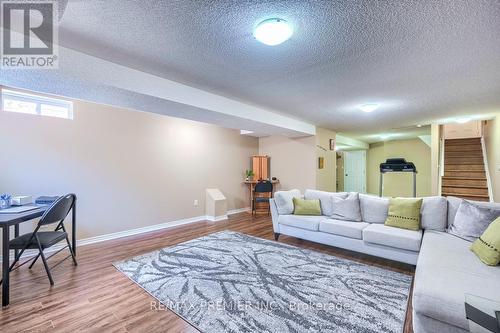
(421, 60)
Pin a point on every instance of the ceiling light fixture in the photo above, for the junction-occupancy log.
(273, 31)
(463, 120)
(370, 107)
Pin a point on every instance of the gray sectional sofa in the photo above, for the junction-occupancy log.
(446, 269)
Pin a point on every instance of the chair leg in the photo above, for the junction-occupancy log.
(47, 269)
(33, 262)
(71, 251)
(16, 259)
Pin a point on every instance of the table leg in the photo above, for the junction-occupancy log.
(251, 198)
(16, 234)
(73, 228)
(5, 265)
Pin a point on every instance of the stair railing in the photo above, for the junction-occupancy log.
(487, 169)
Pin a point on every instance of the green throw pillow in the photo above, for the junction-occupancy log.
(487, 247)
(404, 213)
(306, 207)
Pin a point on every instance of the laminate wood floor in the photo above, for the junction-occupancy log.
(95, 297)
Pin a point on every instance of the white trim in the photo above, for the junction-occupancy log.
(487, 169)
(441, 165)
(237, 211)
(137, 231)
(216, 218)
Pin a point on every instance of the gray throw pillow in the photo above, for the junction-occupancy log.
(346, 208)
(434, 213)
(325, 199)
(472, 220)
(373, 209)
(284, 201)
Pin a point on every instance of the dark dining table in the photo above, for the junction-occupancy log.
(15, 219)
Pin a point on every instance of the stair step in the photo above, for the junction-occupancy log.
(467, 153)
(465, 182)
(465, 174)
(467, 196)
(466, 186)
(464, 167)
(463, 148)
(471, 177)
(465, 190)
(464, 160)
(462, 141)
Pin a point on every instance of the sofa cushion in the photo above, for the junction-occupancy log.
(325, 199)
(434, 213)
(347, 208)
(343, 228)
(306, 207)
(373, 209)
(446, 271)
(301, 221)
(404, 213)
(454, 204)
(487, 247)
(284, 201)
(472, 220)
(393, 237)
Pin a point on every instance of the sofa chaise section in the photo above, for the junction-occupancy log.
(446, 271)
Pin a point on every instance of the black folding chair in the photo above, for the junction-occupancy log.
(42, 240)
(262, 193)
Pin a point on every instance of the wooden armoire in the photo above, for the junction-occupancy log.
(260, 167)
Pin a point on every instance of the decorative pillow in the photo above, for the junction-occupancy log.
(373, 209)
(346, 208)
(454, 204)
(472, 220)
(284, 201)
(306, 207)
(434, 213)
(325, 199)
(487, 247)
(404, 213)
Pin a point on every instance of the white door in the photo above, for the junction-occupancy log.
(355, 171)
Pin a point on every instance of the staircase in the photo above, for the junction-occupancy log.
(464, 170)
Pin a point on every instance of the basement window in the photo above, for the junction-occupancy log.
(21, 102)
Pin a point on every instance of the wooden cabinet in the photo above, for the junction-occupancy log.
(260, 167)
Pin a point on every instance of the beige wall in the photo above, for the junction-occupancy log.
(293, 160)
(492, 142)
(129, 169)
(415, 151)
(326, 177)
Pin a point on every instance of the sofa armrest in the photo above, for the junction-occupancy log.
(274, 215)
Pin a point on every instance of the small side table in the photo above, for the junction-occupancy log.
(483, 314)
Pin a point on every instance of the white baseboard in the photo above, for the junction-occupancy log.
(216, 218)
(138, 231)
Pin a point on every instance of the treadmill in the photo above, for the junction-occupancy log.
(392, 165)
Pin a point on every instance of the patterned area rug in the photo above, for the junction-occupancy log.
(231, 282)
